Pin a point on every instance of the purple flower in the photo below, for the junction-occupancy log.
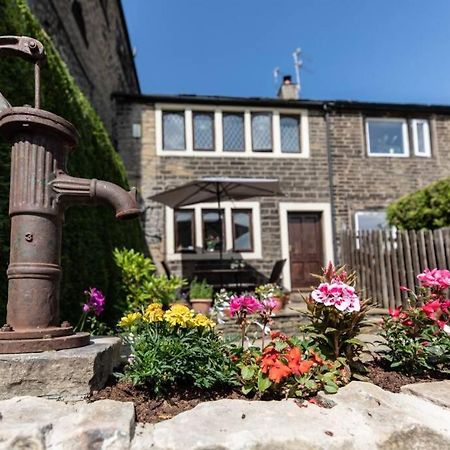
(95, 302)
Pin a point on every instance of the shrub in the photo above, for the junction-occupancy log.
(175, 348)
(89, 232)
(336, 315)
(418, 337)
(200, 289)
(141, 283)
(427, 208)
(289, 368)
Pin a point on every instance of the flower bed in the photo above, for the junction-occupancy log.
(179, 359)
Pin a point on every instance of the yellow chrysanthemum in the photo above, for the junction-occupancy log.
(179, 315)
(201, 320)
(154, 313)
(129, 319)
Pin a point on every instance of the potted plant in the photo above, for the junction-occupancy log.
(200, 294)
(271, 290)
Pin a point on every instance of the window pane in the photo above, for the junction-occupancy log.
(203, 131)
(386, 137)
(262, 132)
(290, 134)
(184, 230)
(366, 221)
(420, 137)
(233, 132)
(212, 231)
(173, 131)
(242, 231)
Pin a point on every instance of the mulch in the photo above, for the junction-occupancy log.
(152, 410)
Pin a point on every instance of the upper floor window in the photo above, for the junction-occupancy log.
(421, 137)
(262, 132)
(173, 130)
(290, 134)
(394, 137)
(233, 132)
(387, 137)
(203, 131)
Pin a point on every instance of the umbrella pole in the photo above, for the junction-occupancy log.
(220, 223)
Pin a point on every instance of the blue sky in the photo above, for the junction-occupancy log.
(378, 50)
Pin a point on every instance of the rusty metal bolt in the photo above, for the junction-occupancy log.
(28, 237)
(32, 46)
(6, 327)
(65, 324)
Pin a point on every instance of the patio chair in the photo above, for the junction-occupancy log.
(277, 270)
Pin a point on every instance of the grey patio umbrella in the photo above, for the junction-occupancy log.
(218, 189)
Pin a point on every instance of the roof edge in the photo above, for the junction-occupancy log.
(327, 105)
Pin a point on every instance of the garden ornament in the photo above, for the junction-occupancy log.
(40, 192)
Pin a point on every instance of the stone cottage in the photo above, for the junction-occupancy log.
(339, 163)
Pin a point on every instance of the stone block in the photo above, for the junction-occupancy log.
(70, 374)
(38, 423)
(437, 392)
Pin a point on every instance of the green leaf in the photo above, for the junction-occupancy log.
(331, 388)
(311, 385)
(263, 382)
(330, 330)
(358, 376)
(280, 345)
(247, 372)
(247, 389)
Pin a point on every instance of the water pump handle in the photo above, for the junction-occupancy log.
(25, 47)
(29, 49)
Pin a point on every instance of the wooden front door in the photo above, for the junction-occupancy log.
(305, 247)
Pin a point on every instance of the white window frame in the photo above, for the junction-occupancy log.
(228, 252)
(218, 131)
(404, 122)
(415, 136)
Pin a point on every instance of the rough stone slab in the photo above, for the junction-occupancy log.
(38, 423)
(437, 392)
(64, 374)
(363, 417)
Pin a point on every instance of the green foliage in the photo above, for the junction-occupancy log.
(427, 208)
(90, 232)
(416, 344)
(142, 284)
(335, 331)
(176, 349)
(200, 289)
(288, 368)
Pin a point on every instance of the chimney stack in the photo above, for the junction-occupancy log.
(288, 90)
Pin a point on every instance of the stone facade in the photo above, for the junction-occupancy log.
(92, 38)
(338, 171)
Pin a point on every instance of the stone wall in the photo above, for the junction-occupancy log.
(99, 58)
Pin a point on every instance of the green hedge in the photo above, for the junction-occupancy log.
(427, 208)
(90, 233)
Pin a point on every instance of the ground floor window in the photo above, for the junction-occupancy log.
(371, 220)
(202, 231)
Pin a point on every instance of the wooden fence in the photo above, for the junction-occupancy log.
(386, 260)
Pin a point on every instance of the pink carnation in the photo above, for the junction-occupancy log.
(436, 278)
(269, 304)
(337, 294)
(244, 303)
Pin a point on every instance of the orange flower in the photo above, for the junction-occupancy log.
(268, 358)
(296, 365)
(278, 371)
(316, 357)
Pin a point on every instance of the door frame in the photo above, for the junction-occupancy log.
(327, 232)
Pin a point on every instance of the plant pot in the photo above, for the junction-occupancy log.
(201, 305)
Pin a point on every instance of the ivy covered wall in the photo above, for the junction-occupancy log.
(90, 232)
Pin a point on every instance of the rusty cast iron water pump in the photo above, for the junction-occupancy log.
(39, 193)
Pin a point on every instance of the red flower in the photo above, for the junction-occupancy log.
(395, 313)
(296, 364)
(278, 334)
(316, 357)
